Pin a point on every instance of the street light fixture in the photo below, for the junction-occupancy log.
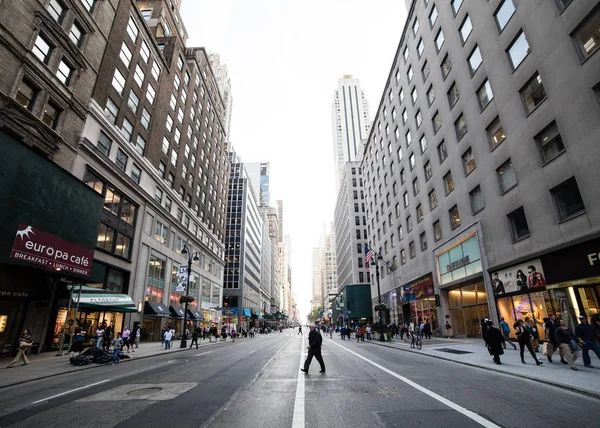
(380, 305)
(191, 257)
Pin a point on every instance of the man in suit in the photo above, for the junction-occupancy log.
(314, 349)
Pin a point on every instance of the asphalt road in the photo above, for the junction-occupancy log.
(257, 383)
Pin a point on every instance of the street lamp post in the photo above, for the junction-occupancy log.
(194, 257)
(381, 337)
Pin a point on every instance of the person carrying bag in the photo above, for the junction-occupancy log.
(25, 343)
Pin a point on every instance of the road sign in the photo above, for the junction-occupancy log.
(412, 297)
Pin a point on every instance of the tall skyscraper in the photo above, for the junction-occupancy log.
(224, 84)
(259, 176)
(350, 123)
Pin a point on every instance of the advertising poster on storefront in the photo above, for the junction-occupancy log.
(522, 277)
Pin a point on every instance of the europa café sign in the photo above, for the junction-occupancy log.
(38, 247)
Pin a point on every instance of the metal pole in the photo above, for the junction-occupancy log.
(62, 337)
(381, 337)
(187, 293)
(75, 318)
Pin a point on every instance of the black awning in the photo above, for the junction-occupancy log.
(155, 309)
(195, 315)
(176, 311)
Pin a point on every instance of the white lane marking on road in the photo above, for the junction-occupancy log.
(203, 353)
(469, 414)
(71, 391)
(246, 387)
(298, 420)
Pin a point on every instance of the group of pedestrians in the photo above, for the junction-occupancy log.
(560, 337)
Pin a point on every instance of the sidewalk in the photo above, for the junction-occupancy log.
(48, 364)
(472, 352)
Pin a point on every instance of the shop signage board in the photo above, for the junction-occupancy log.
(460, 260)
(522, 277)
(35, 246)
(420, 288)
(574, 265)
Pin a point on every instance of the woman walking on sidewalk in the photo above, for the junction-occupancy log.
(525, 340)
(25, 343)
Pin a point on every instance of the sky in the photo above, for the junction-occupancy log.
(284, 59)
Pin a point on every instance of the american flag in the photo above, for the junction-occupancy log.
(368, 255)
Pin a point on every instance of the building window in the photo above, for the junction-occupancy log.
(506, 176)
(145, 51)
(587, 36)
(433, 15)
(145, 120)
(503, 14)
(448, 182)
(465, 29)
(104, 144)
(121, 160)
(418, 119)
(64, 72)
(460, 127)
(442, 151)
(125, 55)
(439, 40)
(437, 231)
(485, 94)
(408, 137)
(549, 143)
(454, 217)
(475, 60)
(425, 71)
(423, 144)
(136, 173)
(140, 145)
(476, 198)
(118, 82)
(133, 101)
(89, 4)
(412, 250)
(132, 30)
(127, 129)
(26, 94)
(42, 49)
(432, 200)
(436, 122)
(423, 238)
(139, 75)
(111, 110)
(405, 199)
(420, 48)
(415, 27)
(495, 133)
(419, 213)
(468, 161)
(428, 171)
(414, 96)
(446, 66)
(518, 50)
(533, 93)
(518, 224)
(146, 14)
(412, 161)
(562, 4)
(403, 256)
(567, 199)
(56, 8)
(410, 74)
(453, 95)
(456, 4)
(430, 95)
(416, 187)
(76, 34)
(50, 115)
(161, 232)
(155, 70)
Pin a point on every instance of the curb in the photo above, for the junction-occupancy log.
(95, 366)
(572, 388)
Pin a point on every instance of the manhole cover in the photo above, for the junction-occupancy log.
(144, 391)
(453, 351)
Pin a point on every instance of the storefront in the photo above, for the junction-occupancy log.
(418, 302)
(463, 291)
(565, 282)
(154, 313)
(48, 230)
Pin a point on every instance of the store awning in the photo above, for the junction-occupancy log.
(176, 311)
(156, 309)
(102, 300)
(195, 315)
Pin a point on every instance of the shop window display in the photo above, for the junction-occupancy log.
(468, 306)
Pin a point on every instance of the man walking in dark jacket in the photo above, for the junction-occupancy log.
(495, 342)
(314, 349)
